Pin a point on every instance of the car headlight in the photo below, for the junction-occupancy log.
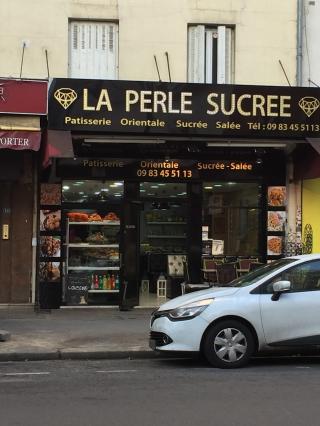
(189, 311)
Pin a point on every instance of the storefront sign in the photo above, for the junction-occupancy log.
(156, 169)
(23, 97)
(156, 108)
(20, 140)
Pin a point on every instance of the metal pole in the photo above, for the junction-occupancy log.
(299, 41)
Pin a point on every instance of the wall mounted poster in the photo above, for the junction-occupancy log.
(276, 221)
(274, 245)
(50, 194)
(49, 271)
(277, 196)
(50, 246)
(217, 247)
(50, 220)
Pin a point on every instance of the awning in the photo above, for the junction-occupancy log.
(57, 144)
(307, 160)
(20, 140)
(315, 143)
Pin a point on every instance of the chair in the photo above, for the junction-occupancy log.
(186, 286)
(255, 265)
(226, 272)
(210, 271)
(244, 266)
(186, 277)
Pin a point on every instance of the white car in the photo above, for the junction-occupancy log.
(276, 305)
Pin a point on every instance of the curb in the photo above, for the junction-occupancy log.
(76, 355)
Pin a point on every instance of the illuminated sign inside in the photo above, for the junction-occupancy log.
(156, 108)
(158, 169)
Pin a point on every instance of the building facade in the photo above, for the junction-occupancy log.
(105, 173)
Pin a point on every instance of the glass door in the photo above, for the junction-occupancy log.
(163, 241)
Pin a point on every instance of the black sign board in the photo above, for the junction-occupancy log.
(77, 286)
(184, 109)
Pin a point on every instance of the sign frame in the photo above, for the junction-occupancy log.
(183, 109)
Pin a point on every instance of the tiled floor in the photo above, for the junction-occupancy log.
(150, 300)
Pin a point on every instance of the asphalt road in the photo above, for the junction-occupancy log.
(159, 392)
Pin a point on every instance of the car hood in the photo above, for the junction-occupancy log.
(198, 295)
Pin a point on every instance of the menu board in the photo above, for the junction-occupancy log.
(77, 286)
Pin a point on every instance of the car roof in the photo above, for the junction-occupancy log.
(305, 256)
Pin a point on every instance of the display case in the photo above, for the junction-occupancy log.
(164, 231)
(93, 249)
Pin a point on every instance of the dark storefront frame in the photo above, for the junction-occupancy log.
(118, 121)
(132, 203)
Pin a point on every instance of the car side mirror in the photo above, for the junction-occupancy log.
(280, 287)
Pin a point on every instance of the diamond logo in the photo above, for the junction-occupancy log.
(309, 105)
(65, 96)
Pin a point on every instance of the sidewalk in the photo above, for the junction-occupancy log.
(74, 333)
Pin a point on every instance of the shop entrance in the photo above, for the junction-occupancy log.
(163, 241)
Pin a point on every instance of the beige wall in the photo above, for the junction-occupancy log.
(265, 32)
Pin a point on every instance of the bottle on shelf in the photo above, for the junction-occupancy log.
(113, 282)
(92, 282)
(100, 282)
(105, 282)
(96, 282)
(117, 282)
(109, 281)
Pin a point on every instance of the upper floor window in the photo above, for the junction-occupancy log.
(93, 50)
(210, 54)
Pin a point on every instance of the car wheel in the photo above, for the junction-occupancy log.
(228, 344)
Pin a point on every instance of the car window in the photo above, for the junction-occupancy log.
(304, 277)
(259, 273)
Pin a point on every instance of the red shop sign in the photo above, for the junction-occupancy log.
(23, 97)
(20, 140)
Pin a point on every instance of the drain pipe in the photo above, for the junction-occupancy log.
(299, 41)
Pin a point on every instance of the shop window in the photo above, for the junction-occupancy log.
(91, 191)
(232, 213)
(93, 50)
(163, 190)
(210, 54)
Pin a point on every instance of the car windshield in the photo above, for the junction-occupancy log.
(259, 273)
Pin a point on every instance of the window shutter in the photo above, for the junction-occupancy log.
(229, 55)
(209, 46)
(224, 55)
(221, 77)
(196, 54)
(93, 50)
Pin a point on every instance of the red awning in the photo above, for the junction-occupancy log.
(19, 140)
(57, 144)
